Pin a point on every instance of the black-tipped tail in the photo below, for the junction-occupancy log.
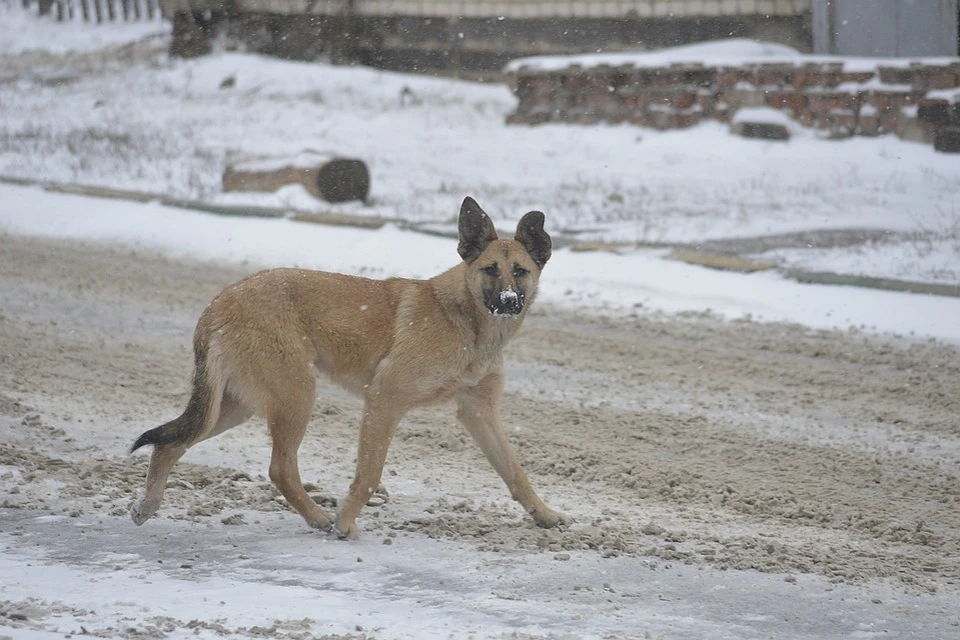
(169, 433)
(186, 428)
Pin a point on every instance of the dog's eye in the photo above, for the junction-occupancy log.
(519, 272)
(493, 270)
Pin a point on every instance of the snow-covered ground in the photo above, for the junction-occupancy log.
(22, 31)
(98, 350)
(142, 121)
(601, 282)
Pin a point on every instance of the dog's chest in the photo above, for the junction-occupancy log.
(481, 357)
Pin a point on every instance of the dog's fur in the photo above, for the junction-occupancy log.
(397, 343)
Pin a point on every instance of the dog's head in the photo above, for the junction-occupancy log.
(502, 273)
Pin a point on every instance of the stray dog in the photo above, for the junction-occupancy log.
(397, 343)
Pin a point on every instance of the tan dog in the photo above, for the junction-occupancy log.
(397, 343)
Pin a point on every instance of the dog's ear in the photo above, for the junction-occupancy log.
(534, 239)
(476, 230)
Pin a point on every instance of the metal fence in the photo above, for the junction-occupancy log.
(886, 27)
(96, 10)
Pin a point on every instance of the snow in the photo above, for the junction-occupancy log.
(607, 183)
(602, 282)
(735, 51)
(306, 159)
(730, 52)
(411, 590)
(764, 116)
(21, 31)
(167, 127)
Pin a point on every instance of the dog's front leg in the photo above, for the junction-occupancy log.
(479, 411)
(380, 419)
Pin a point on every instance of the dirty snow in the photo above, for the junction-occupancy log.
(745, 457)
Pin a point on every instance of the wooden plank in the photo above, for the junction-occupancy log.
(721, 261)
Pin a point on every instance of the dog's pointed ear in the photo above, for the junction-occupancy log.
(476, 230)
(534, 239)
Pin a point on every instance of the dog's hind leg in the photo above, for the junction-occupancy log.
(165, 455)
(288, 420)
(479, 411)
(161, 463)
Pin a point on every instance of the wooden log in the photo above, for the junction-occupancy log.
(325, 176)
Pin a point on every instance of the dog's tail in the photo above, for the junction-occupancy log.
(203, 408)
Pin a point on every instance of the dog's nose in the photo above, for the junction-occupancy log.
(509, 302)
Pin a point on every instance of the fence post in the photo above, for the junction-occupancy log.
(97, 11)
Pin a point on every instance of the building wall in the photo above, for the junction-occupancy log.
(886, 27)
(478, 37)
(530, 9)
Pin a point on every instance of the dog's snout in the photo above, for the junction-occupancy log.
(506, 302)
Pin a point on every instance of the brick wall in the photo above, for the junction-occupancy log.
(911, 99)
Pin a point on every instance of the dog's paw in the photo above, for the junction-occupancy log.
(347, 530)
(550, 519)
(141, 511)
(321, 521)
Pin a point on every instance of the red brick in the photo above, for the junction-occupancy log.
(793, 100)
(840, 123)
(858, 77)
(869, 124)
(728, 77)
(941, 80)
(806, 117)
(776, 75)
(636, 99)
(825, 102)
(684, 99)
(640, 119)
(664, 77)
(889, 121)
(638, 77)
(707, 101)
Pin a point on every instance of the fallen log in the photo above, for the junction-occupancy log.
(325, 176)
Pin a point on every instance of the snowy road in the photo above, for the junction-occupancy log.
(728, 479)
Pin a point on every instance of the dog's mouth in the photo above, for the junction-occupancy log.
(505, 303)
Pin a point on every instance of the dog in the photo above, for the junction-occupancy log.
(261, 344)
